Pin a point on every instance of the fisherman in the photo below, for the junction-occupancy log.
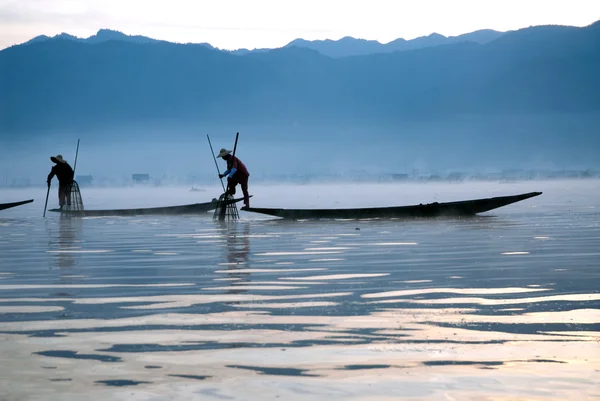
(236, 173)
(65, 175)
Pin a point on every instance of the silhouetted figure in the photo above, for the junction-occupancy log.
(65, 175)
(236, 173)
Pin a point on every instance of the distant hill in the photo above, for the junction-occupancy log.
(61, 82)
(103, 35)
(349, 46)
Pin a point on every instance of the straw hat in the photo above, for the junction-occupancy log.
(224, 152)
(58, 159)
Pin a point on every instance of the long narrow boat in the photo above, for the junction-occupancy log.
(14, 204)
(195, 208)
(452, 209)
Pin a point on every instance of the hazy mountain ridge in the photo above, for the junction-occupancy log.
(346, 46)
(62, 83)
(102, 35)
(349, 46)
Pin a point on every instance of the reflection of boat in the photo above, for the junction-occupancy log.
(461, 208)
(14, 204)
(195, 208)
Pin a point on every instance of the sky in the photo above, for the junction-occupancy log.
(234, 24)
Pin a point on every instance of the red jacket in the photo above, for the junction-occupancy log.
(235, 163)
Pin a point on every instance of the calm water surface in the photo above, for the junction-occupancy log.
(502, 306)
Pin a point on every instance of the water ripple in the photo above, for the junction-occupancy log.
(188, 308)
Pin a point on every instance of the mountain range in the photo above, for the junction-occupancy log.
(346, 46)
(349, 46)
(113, 79)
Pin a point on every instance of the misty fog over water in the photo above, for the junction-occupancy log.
(513, 147)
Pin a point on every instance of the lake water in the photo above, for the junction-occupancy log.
(503, 306)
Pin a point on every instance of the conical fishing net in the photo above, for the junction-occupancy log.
(74, 201)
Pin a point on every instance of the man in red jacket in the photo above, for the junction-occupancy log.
(236, 173)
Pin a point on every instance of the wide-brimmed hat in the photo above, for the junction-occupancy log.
(224, 152)
(57, 159)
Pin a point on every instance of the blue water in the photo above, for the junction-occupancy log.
(503, 305)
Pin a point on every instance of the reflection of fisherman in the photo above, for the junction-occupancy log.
(238, 257)
(65, 175)
(236, 173)
(238, 247)
(66, 242)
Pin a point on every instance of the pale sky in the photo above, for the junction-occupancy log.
(233, 24)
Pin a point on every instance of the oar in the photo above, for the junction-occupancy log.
(46, 205)
(216, 164)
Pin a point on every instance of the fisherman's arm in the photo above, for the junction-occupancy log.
(224, 173)
(234, 167)
(50, 176)
(229, 173)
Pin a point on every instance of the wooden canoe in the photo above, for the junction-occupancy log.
(460, 208)
(194, 208)
(14, 204)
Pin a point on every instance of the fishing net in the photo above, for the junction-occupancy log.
(74, 201)
(226, 209)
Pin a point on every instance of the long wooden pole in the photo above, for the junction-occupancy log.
(237, 134)
(216, 164)
(76, 154)
(224, 206)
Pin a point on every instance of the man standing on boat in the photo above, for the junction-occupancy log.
(65, 175)
(236, 173)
